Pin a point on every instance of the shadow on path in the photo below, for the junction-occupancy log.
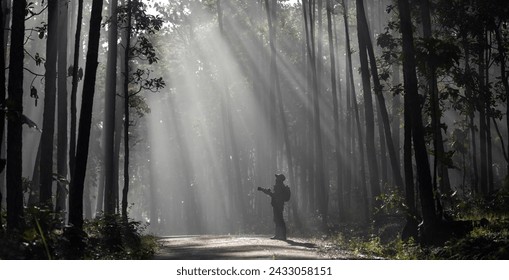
(209, 247)
(302, 244)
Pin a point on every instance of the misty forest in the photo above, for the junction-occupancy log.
(130, 126)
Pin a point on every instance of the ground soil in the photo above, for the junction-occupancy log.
(220, 247)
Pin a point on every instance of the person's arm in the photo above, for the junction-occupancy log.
(266, 191)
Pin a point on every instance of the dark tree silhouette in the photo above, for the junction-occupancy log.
(363, 36)
(110, 193)
(412, 105)
(2, 101)
(15, 112)
(74, 89)
(62, 144)
(48, 124)
(78, 179)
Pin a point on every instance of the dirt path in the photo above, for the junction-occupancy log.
(220, 247)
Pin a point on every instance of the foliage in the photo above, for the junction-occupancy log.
(490, 242)
(111, 238)
(485, 240)
(44, 237)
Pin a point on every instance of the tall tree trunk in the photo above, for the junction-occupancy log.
(48, 124)
(127, 50)
(440, 168)
(343, 122)
(382, 107)
(489, 152)
(411, 93)
(383, 148)
(335, 102)
(5, 23)
(396, 118)
(505, 82)
(350, 141)
(119, 128)
(350, 81)
(470, 96)
(310, 47)
(481, 107)
(76, 192)
(410, 230)
(320, 185)
(14, 130)
(109, 112)
(62, 107)
(74, 89)
(368, 104)
(2, 104)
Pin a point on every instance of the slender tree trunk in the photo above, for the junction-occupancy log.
(382, 107)
(481, 107)
(308, 24)
(469, 95)
(411, 92)
(411, 225)
(14, 130)
(48, 124)
(62, 106)
(2, 104)
(344, 172)
(74, 89)
(350, 142)
(396, 118)
(119, 119)
(335, 103)
(125, 190)
(440, 169)
(383, 148)
(320, 185)
(489, 152)
(368, 104)
(362, 170)
(76, 192)
(505, 82)
(109, 112)
(475, 179)
(6, 6)
(119, 128)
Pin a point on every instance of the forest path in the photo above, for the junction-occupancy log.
(237, 247)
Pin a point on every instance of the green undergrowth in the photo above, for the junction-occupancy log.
(486, 242)
(482, 243)
(487, 237)
(105, 237)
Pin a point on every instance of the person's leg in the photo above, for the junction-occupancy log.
(276, 224)
(283, 229)
(280, 224)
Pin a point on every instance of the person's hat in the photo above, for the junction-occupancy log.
(280, 177)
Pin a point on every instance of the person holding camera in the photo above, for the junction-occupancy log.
(278, 196)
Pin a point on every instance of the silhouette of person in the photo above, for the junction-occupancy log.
(277, 201)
